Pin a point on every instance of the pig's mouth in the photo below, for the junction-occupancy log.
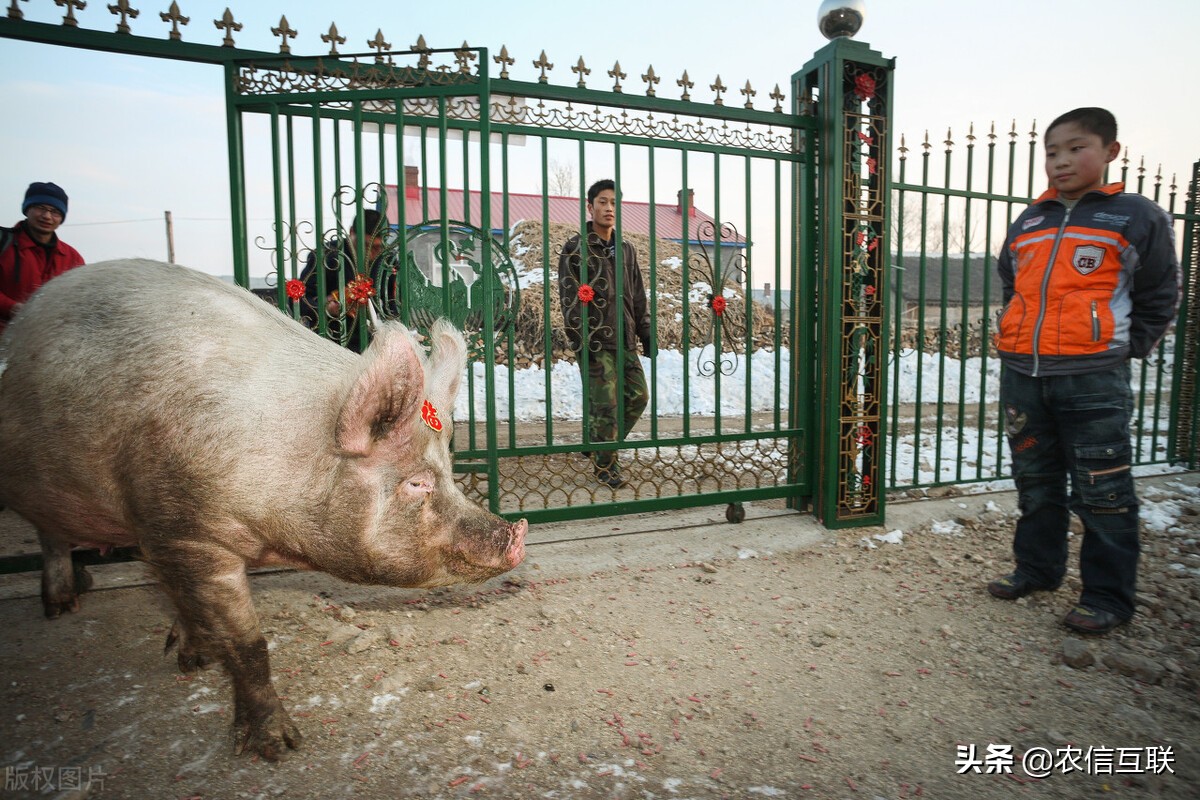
(514, 554)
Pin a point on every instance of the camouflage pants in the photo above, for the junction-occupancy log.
(602, 406)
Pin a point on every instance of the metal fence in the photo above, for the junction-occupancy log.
(775, 400)
(483, 179)
(950, 213)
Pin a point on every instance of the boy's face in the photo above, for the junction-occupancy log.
(604, 210)
(1075, 159)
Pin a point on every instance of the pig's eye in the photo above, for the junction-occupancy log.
(418, 485)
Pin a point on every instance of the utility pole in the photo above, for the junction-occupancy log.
(170, 238)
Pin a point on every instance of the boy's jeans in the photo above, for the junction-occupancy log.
(1076, 425)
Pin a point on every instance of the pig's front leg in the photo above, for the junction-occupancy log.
(62, 581)
(211, 591)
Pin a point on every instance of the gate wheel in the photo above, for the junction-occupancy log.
(735, 512)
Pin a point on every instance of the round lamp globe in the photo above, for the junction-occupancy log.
(837, 18)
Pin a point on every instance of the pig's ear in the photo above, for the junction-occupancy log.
(447, 361)
(386, 396)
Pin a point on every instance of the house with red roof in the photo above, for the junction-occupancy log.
(662, 220)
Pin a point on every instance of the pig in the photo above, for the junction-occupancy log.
(152, 405)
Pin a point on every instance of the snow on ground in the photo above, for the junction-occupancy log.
(926, 449)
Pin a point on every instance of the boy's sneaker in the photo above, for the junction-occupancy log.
(1014, 586)
(1092, 621)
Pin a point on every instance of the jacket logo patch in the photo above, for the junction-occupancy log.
(1029, 223)
(1087, 258)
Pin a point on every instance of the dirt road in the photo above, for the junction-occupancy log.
(660, 656)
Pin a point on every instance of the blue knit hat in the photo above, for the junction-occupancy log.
(50, 194)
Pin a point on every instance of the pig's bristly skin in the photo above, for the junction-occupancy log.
(148, 404)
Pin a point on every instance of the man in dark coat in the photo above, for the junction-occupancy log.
(613, 326)
(346, 286)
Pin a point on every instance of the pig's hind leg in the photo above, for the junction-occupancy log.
(211, 592)
(62, 580)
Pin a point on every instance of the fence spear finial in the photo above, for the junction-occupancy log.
(464, 56)
(543, 64)
(582, 70)
(617, 75)
(379, 45)
(650, 78)
(749, 94)
(71, 5)
(226, 24)
(777, 96)
(123, 9)
(685, 84)
(718, 87)
(284, 33)
(173, 16)
(505, 61)
(333, 39)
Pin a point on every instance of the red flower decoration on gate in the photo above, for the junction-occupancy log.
(862, 137)
(718, 305)
(295, 289)
(872, 166)
(586, 293)
(864, 437)
(864, 87)
(360, 290)
(430, 416)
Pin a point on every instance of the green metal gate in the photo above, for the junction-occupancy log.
(481, 178)
(446, 152)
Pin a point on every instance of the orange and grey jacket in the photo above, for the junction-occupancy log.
(1088, 287)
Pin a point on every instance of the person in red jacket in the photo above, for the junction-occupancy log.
(31, 252)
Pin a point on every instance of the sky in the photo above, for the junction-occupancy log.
(129, 138)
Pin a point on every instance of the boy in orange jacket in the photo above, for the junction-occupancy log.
(1091, 280)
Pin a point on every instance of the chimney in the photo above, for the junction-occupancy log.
(412, 182)
(691, 201)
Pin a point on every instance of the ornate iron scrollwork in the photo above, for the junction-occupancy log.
(727, 310)
(445, 277)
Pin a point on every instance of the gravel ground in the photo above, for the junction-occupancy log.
(666, 656)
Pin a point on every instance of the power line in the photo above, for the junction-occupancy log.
(113, 222)
(159, 219)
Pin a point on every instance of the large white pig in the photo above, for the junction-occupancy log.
(148, 404)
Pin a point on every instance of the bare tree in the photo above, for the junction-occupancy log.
(562, 178)
(943, 229)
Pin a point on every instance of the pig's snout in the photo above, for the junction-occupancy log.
(515, 553)
(481, 555)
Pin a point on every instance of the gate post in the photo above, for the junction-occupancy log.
(850, 88)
